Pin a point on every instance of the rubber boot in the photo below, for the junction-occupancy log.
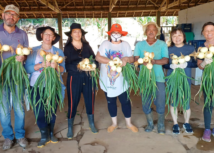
(150, 125)
(53, 138)
(91, 123)
(161, 126)
(45, 137)
(70, 128)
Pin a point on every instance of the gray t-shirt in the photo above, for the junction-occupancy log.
(12, 39)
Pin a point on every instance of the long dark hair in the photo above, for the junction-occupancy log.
(206, 24)
(83, 40)
(173, 32)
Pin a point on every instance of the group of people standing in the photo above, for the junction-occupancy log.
(79, 82)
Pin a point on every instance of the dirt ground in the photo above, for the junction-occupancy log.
(122, 140)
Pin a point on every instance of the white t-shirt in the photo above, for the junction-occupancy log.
(35, 75)
(113, 81)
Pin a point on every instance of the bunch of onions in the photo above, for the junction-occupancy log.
(146, 80)
(13, 75)
(116, 64)
(207, 81)
(86, 65)
(5, 48)
(177, 86)
(51, 95)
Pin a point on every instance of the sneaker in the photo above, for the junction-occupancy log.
(22, 142)
(7, 144)
(188, 128)
(176, 129)
(206, 135)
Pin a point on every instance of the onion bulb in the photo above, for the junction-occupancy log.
(5, 48)
(116, 60)
(86, 61)
(119, 69)
(140, 61)
(175, 61)
(151, 55)
(174, 56)
(209, 54)
(113, 68)
(204, 49)
(201, 55)
(149, 66)
(82, 66)
(211, 49)
(146, 59)
(60, 59)
(181, 60)
(187, 58)
(94, 66)
(26, 51)
(111, 63)
(55, 57)
(19, 51)
(49, 57)
(42, 53)
(146, 54)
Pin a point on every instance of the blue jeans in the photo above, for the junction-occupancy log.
(207, 114)
(5, 117)
(159, 101)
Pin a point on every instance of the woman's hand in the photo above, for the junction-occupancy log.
(124, 61)
(53, 64)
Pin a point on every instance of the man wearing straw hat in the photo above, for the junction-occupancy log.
(11, 35)
(160, 49)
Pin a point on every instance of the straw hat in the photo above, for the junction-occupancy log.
(151, 23)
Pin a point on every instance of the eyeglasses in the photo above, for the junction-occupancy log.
(10, 14)
(50, 35)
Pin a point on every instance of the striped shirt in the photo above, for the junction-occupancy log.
(12, 39)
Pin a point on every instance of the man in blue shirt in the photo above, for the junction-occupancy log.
(160, 49)
(11, 35)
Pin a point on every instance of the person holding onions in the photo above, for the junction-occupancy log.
(76, 50)
(111, 50)
(34, 66)
(160, 50)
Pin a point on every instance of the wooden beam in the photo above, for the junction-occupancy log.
(176, 3)
(125, 14)
(146, 3)
(43, 15)
(142, 13)
(158, 18)
(59, 17)
(66, 4)
(50, 6)
(167, 4)
(6, 2)
(154, 3)
(17, 3)
(174, 13)
(138, 2)
(109, 23)
(36, 3)
(51, 15)
(26, 3)
(150, 13)
(26, 15)
(112, 4)
(85, 15)
(134, 14)
(83, 2)
(34, 15)
(163, 2)
(56, 4)
(93, 3)
(1, 7)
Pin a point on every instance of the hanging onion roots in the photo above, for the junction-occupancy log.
(13, 77)
(50, 87)
(177, 86)
(207, 81)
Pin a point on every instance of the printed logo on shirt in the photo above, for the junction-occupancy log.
(113, 75)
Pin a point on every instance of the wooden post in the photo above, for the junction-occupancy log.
(59, 17)
(109, 23)
(158, 20)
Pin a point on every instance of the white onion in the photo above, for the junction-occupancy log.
(146, 54)
(211, 49)
(204, 49)
(208, 55)
(83, 66)
(49, 57)
(86, 61)
(116, 60)
(175, 61)
(149, 66)
(140, 61)
(187, 58)
(55, 57)
(26, 51)
(174, 56)
(146, 59)
(111, 63)
(119, 69)
(201, 55)
(19, 51)
(113, 68)
(94, 66)
(181, 60)
(5, 48)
